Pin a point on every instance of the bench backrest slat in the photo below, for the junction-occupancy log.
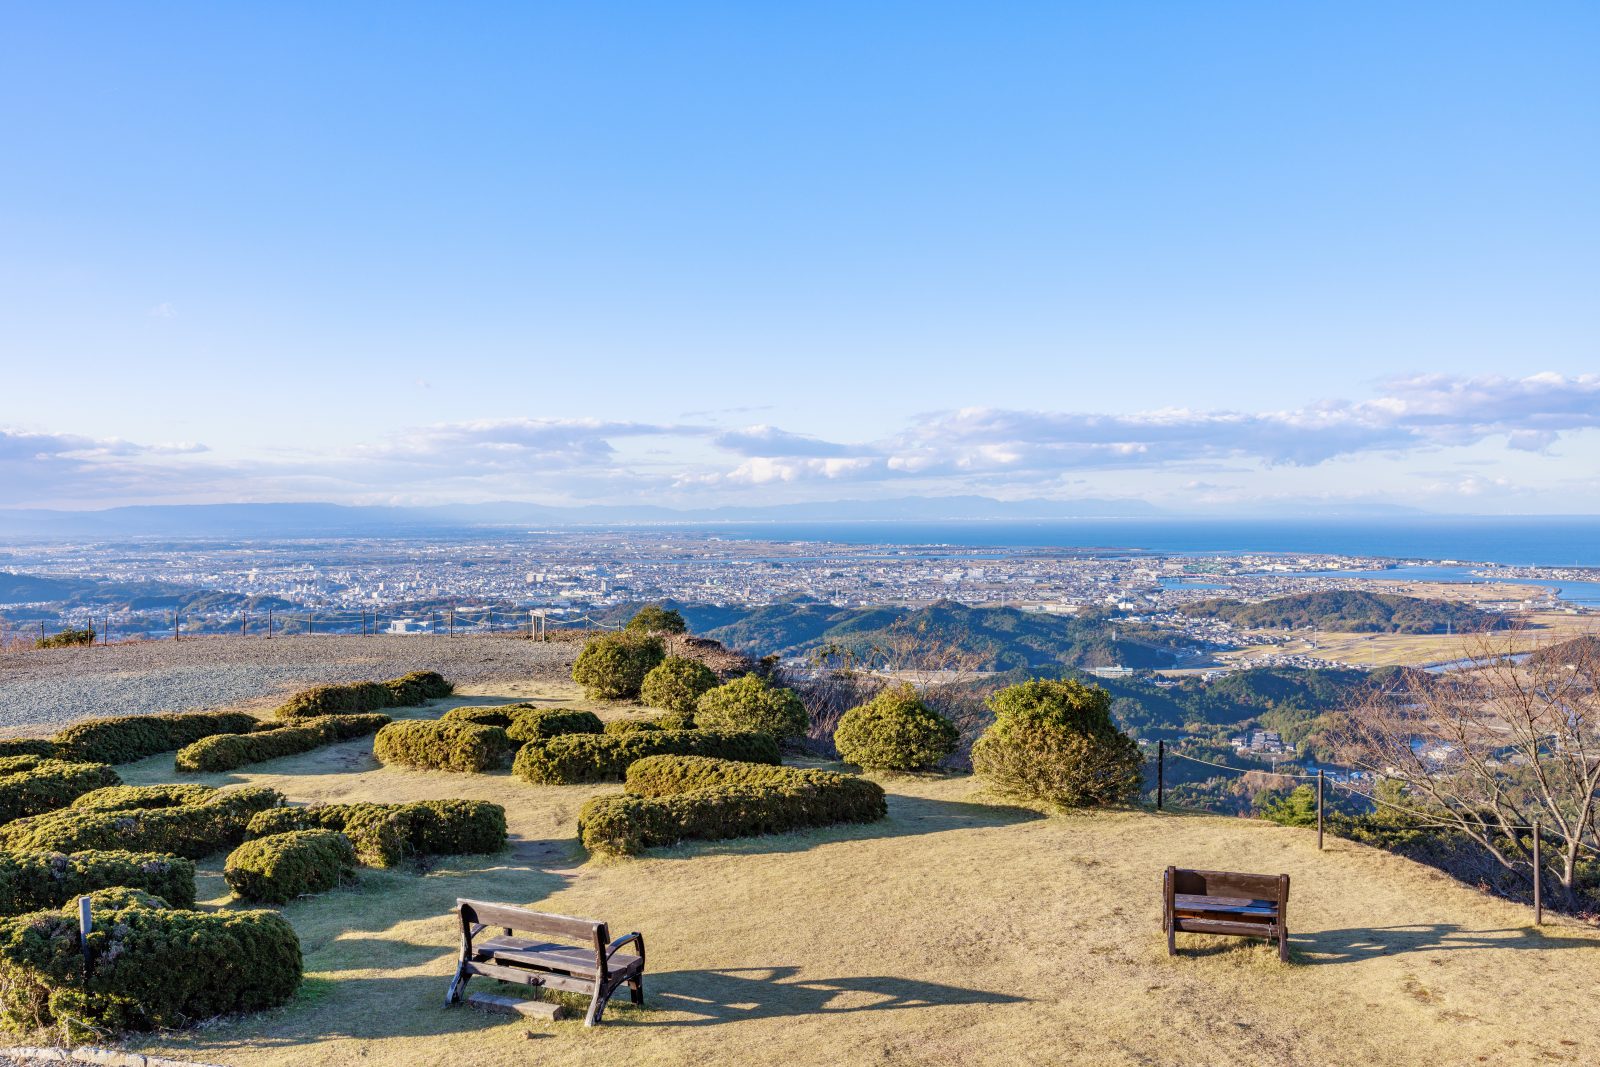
(1226, 884)
(585, 932)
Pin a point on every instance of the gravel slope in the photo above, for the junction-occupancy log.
(41, 691)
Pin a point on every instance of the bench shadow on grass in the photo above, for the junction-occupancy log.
(1363, 943)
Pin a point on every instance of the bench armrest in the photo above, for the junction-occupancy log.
(636, 937)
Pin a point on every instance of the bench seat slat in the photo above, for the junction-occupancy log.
(543, 954)
(1233, 905)
(1222, 926)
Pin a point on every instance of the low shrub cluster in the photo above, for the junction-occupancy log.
(279, 867)
(710, 800)
(48, 784)
(151, 967)
(28, 746)
(384, 835)
(895, 731)
(355, 697)
(191, 830)
(528, 722)
(676, 684)
(33, 880)
(1055, 741)
(606, 757)
(655, 619)
(613, 666)
(441, 745)
(125, 738)
(224, 752)
(134, 797)
(753, 703)
(66, 639)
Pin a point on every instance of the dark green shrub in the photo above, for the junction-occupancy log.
(48, 785)
(501, 715)
(354, 698)
(630, 726)
(895, 731)
(135, 797)
(605, 757)
(224, 752)
(629, 824)
(753, 703)
(276, 869)
(613, 666)
(437, 745)
(33, 880)
(676, 684)
(152, 968)
(675, 720)
(66, 639)
(1055, 741)
(541, 724)
(28, 746)
(384, 835)
(116, 898)
(660, 776)
(655, 619)
(17, 764)
(126, 738)
(192, 830)
(417, 688)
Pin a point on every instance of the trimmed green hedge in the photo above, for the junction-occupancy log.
(277, 868)
(433, 744)
(895, 731)
(224, 752)
(152, 967)
(409, 689)
(192, 830)
(33, 880)
(417, 687)
(384, 835)
(660, 776)
(48, 785)
(126, 738)
(541, 724)
(28, 746)
(135, 797)
(753, 703)
(626, 824)
(605, 757)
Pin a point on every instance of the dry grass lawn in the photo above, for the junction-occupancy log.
(955, 932)
(1416, 650)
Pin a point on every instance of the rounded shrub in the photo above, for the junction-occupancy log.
(895, 731)
(32, 880)
(276, 869)
(48, 785)
(613, 666)
(1055, 741)
(434, 744)
(27, 746)
(655, 619)
(606, 757)
(753, 703)
(659, 776)
(135, 797)
(541, 724)
(191, 830)
(224, 752)
(676, 684)
(125, 738)
(385, 835)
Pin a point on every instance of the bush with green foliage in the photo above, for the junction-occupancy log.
(655, 619)
(434, 744)
(417, 687)
(67, 639)
(151, 967)
(660, 776)
(125, 738)
(33, 880)
(1297, 808)
(630, 726)
(134, 797)
(280, 867)
(48, 785)
(1055, 741)
(613, 666)
(606, 757)
(753, 703)
(895, 731)
(42, 747)
(676, 684)
(192, 830)
(355, 697)
(626, 824)
(385, 835)
(541, 724)
(224, 752)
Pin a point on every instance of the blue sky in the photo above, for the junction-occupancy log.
(1207, 255)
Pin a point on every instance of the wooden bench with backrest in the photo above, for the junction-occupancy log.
(1225, 902)
(595, 965)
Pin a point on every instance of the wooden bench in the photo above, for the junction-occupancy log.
(1225, 902)
(594, 965)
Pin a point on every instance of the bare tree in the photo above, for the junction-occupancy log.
(1485, 750)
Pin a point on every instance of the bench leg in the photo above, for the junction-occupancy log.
(1172, 939)
(597, 1006)
(1283, 944)
(458, 986)
(636, 989)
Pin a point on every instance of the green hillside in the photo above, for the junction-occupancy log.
(1350, 611)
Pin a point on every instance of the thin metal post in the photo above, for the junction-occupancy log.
(1319, 809)
(269, 623)
(1538, 880)
(85, 925)
(452, 617)
(105, 632)
(1161, 774)
(174, 625)
(308, 624)
(244, 624)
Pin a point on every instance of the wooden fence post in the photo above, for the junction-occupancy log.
(1161, 774)
(1319, 809)
(174, 625)
(269, 623)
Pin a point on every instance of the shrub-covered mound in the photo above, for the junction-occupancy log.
(606, 757)
(384, 835)
(435, 744)
(151, 967)
(28, 746)
(708, 800)
(30, 881)
(613, 666)
(356, 697)
(192, 830)
(528, 722)
(753, 703)
(125, 738)
(224, 752)
(45, 785)
(895, 731)
(279, 867)
(676, 684)
(134, 797)
(1055, 741)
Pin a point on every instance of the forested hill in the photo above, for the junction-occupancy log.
(1351, 611)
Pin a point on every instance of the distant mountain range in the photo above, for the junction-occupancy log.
(321, 520)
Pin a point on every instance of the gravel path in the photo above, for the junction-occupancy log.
(41, 691)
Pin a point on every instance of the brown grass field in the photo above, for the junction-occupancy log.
(958, 931)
